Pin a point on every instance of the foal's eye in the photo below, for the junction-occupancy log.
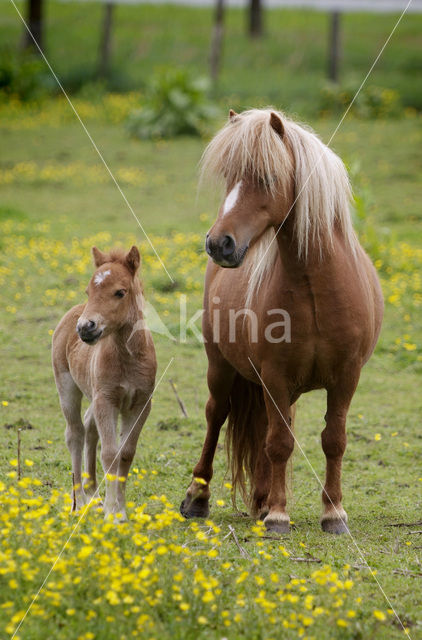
(120, 293)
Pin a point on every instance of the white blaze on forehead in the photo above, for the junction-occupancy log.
(101, 276)
(232, 198)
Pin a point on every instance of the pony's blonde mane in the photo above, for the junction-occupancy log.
(248, 147)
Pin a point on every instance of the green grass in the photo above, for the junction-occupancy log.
(381, 477)
(293, 52)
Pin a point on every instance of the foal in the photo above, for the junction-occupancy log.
(103, 350)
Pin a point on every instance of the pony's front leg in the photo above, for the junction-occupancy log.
(132, 423)
(278, 448)
(105, 414)
(220, 381)
(333, 438)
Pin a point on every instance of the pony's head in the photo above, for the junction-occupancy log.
(112, 294)
(251, 154)
(272, 168)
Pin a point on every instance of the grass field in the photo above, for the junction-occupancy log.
(293, 52)
(159, 576)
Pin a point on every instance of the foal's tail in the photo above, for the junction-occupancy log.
(245, 437)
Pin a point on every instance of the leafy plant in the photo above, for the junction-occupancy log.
(174, 104)
(23, 76)
(371, 102)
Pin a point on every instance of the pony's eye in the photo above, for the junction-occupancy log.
(120, 293)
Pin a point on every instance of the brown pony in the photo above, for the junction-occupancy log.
(103, 350)
(283, 244)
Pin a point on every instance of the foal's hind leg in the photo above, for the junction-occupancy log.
(334, 517)
(70, 400)
(220, 381)
(91, 442)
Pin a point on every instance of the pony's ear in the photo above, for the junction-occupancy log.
(99, 257)
(232, 114)
(276, 123)
(133, 260)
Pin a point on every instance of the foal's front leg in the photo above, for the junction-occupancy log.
(91, 442)
(132, 422)
(70, 400)
(106, 414)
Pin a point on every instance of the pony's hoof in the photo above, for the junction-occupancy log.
(334, 525)
(277, 524)
(198, 508)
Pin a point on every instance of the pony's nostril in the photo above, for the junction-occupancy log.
(90, 325)
(208, 245)
(228, 246)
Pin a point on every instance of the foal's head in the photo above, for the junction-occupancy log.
(112, 293)
(252, 154)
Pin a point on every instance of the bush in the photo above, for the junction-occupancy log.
(372, 101)
(23, 75)
(174, 104)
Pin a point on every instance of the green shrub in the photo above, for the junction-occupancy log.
(372, 101)
(174, 104)
(23, 75)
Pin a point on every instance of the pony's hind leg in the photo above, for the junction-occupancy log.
(70, 400)
(262, 473)
(91, 442)
(220, 381)
(333, 438)
(278, 448)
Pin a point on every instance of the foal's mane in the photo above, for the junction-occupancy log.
(248, 147)
(115, 255)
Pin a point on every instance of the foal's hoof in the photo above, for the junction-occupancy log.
(334, 525)
(191, 508)
(277, 523)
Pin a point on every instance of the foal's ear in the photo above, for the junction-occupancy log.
(99, 257)
(232, 114)
(133, 260)
(276, 123)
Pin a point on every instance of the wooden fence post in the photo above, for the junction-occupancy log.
(105, 41)
(35, 22)
(334, 46)
(217, 40)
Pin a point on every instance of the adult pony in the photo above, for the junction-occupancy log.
(283, 243)
(103, 350)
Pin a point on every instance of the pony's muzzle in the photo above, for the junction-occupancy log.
(88, 331)
(224, 251)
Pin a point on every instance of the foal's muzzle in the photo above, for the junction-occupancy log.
(89, 332)
(224, 251)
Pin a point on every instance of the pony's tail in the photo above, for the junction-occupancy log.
(245, 437)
